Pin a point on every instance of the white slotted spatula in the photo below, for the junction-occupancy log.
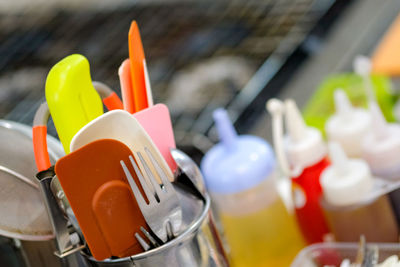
(122, 126)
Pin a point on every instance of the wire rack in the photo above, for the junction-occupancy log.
(201, 54)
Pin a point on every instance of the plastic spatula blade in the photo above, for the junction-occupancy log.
(114, 208)
(125, 79)
(136, 56)
(81, 174)
(122, 126)
(149, 93)
(157, 123)
(71, 97)
(155, 120)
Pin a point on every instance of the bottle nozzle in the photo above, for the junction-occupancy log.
(342, 104)
(294, 121)
(362, 66)
(276, 108)
(378, 120)
(338, 158)
(225, 129)
(346, 181)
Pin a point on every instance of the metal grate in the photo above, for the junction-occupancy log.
(201, 54)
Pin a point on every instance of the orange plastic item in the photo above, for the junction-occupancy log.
(136, 56)
(125, 79)
(113, 102)
(91, 178)
(113, 204)
(386, 58)
(39, 134)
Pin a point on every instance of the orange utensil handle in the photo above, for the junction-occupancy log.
(113, 102)
(125, 79)
(109, 97)
(42, 158)
(39, 133)
(136, 56)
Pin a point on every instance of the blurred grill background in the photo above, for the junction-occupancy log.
(201, 54)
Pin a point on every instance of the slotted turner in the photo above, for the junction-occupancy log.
(122, 126)
(163, 212)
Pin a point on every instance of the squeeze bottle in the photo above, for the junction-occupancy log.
(348, 125)
(350, 204)
(239, 174)
(307, 158)
(381, 146)
(381, 150)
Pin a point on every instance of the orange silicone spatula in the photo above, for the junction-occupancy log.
(93, 181)
(136, 57)
(112, 205)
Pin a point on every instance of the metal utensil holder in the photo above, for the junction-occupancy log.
(196, 246)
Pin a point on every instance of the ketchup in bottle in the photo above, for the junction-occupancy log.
(305, 152)
(307, 191)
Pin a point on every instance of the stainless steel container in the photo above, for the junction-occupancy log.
(197, 245)
(23, 213)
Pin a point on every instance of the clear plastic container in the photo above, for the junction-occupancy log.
(333, 254)
(355, 202)
(239, 173)
(349, 222)
(258, 228)
(374, 219)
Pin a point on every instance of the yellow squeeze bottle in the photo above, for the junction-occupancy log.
(240, 176)
(73, 102)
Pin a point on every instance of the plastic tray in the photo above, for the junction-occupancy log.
(332, 254)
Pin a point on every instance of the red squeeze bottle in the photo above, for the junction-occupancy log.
(306, 194)
(305, 152)
(308, 154)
